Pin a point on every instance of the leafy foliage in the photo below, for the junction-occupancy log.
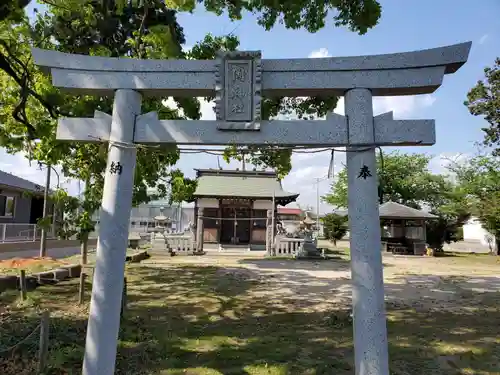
(334, 227)
(403, 178)
(479, 178)
(484, 100)
(406, 179)
(12, 9)
(357, 15)
(444, 229)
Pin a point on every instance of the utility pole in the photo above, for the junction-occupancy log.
(273, 213)
(318, 180)
(43, 238)
(317, 207)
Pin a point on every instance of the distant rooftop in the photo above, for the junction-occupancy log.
(393, 210)
(8, 180)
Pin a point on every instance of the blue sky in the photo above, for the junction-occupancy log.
(404, 26)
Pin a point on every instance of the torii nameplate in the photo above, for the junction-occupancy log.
(237, 87)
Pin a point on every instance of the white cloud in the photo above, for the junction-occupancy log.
(483, 39)
(440, 163)
(401, 105)
(305, 171)
(322, 52)
(207, 109)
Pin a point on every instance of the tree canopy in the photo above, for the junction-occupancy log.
(479, 178)
(403, 178)
(484, 100)
(406, 179)
(334, 227)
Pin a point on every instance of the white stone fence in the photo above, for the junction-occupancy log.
(183, 243)
(180, 243)
(285, 246)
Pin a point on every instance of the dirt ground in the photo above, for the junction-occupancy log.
(418, 282)
(254, 315)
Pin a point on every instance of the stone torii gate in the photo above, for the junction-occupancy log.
(238, 80)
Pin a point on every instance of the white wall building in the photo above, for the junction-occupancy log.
(474, 232)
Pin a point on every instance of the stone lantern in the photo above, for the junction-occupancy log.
(309, 249)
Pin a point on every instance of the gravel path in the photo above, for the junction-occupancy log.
(419, 282)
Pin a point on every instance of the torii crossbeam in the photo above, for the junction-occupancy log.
(238, 80)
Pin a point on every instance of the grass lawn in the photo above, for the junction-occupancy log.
(206, 321)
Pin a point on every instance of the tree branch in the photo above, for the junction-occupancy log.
(8, 63)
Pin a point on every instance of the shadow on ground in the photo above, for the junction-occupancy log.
(290, 264)
(212, 321)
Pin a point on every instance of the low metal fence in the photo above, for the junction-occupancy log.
(14, 232)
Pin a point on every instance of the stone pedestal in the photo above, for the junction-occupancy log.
(309, 248)
(199, 232)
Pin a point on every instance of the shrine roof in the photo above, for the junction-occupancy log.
(242, 184)
(289, 211)
(393, 210)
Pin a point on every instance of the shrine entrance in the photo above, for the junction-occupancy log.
(235, 226)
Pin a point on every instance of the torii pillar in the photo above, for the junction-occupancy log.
(112, 243)
(370, 333)
(238, 79)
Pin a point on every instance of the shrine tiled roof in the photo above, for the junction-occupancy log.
(241, 184)
(393, 210)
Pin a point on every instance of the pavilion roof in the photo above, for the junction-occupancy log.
(241, 184)
(393, 210)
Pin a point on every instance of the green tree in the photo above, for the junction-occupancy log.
(406, 179)
(484, 100)
(479, 177)
(334, 227)
(403, 178)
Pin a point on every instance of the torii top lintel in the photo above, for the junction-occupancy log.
(408, 73)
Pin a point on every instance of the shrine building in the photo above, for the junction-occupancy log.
(234, 205)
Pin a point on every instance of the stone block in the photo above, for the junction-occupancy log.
(136, 258)
(31, 283)
(46, 277)
(8, 282)
(61, 274)
(74, 270)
